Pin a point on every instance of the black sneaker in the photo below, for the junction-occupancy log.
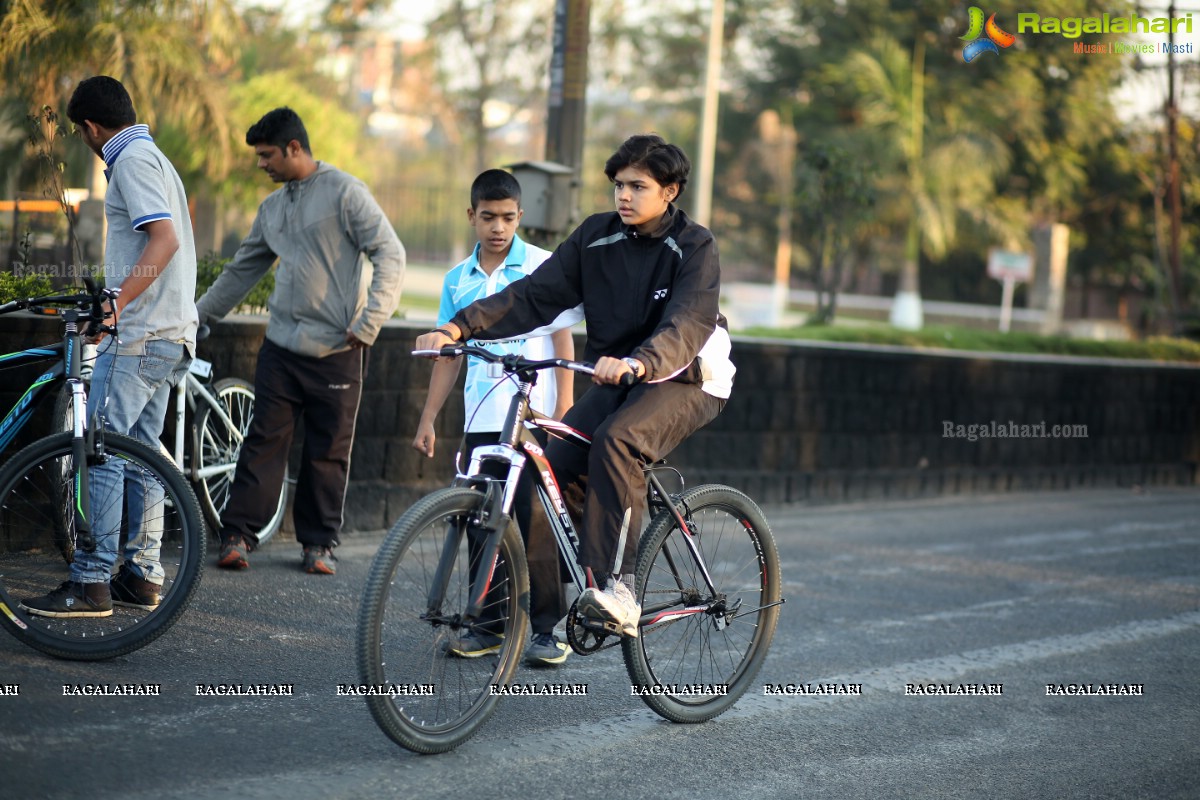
(319, 560)
(473, 645)
(72, 600)
(546, 650)
(133, 592)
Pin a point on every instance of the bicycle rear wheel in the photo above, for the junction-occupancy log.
(38, 539)
(215, 452)
(690, 666)
(432, 701)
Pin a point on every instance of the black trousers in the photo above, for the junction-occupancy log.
(630, 427)
(547, 601)
(325, 392)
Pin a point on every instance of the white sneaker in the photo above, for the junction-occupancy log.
(614, 604)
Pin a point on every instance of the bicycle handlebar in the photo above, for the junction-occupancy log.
(91, 301)
(517, 363)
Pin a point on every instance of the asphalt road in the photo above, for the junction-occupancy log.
(1021, 591)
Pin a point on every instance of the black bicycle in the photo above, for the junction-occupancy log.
(46, 502)
(707, 578)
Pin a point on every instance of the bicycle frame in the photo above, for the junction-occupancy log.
(68, 368)
(23, 409)
(518, 447)
(188, 393)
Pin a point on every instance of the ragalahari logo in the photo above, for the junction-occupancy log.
(996, 38)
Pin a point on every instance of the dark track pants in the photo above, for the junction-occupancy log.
(326, 393)
(629, 428)
(547, 601)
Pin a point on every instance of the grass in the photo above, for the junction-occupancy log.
(417, 302)
(1158, 348)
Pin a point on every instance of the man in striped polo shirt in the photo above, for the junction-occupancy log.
(150, 256)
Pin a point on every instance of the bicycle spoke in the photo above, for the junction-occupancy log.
(403, 642)
(721, 648)
(38, 538)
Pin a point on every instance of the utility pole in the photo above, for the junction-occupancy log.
(1174, 201)
(568, 90)
(708, 121)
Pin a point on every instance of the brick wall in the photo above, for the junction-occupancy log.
(806, 423)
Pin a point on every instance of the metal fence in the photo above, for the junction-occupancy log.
(430, 220)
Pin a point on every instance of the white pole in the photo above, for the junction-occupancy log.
(1006, 303)
(708, 119)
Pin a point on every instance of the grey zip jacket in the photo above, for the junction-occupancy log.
(319, 229)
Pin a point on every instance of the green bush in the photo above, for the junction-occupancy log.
(210, 265)
(15, 287)
(948, 337)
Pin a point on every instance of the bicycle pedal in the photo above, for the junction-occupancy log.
(600, 626)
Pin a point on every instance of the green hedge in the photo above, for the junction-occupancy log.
(1158, 348)
(210, 265)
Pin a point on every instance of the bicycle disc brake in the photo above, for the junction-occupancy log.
(586, 636)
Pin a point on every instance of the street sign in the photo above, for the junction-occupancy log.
(1009, 268)
(1003, 264)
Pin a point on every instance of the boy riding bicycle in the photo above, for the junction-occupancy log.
(499, 258)
(648, 278)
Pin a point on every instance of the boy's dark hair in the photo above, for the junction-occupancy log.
(666, 163)
(104, 101)
(495, 184)
(278, 127)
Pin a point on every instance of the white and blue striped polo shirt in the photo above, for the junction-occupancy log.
(143, 187)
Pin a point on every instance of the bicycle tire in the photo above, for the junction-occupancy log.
(31, 563)
(397, 648)
(672, 657)
(212, 445)
(63, 420)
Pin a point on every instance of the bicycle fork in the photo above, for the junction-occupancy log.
(492, 518)
(80, 455)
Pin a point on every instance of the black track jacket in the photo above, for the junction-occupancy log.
(650, 297)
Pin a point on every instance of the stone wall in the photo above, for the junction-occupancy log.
(808, 423)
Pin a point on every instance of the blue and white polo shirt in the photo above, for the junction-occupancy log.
(463, 285)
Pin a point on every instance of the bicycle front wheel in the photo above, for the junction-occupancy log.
(698, 651)
(422, 695)
(38, 540)
(216, 448)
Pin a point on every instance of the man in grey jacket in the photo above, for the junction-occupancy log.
(325, 312)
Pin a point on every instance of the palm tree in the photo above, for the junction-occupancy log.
(933, 184)
(168, 53)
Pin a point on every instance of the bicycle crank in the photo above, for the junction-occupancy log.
(586, 636)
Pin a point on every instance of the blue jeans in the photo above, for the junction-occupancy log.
(131, 393)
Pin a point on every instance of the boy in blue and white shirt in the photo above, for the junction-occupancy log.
(500, 258)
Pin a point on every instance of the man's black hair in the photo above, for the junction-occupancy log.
(278, 127)
(649, 152)
(495, 184)
(104, 101)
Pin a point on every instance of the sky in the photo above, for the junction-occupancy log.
(406, 19)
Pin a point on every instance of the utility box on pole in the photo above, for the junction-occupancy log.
(547, 194)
